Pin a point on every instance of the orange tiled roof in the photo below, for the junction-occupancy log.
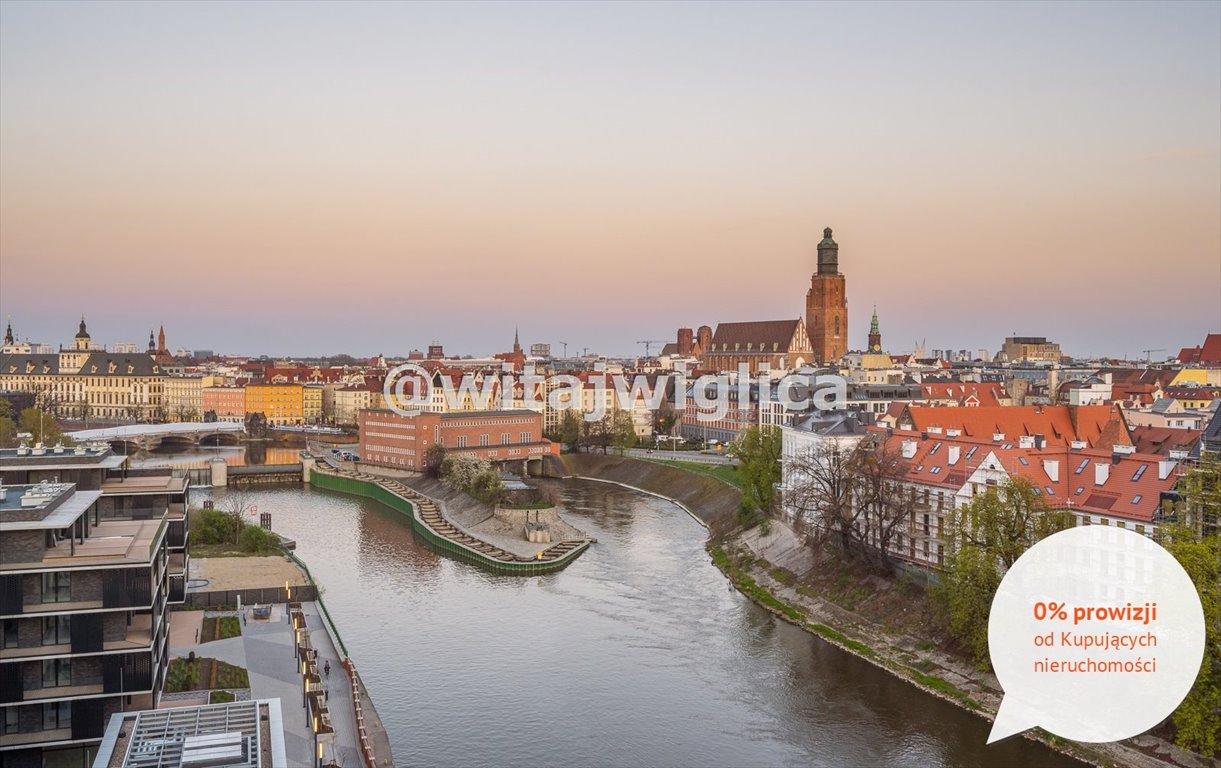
(1127, 485)
(1101, 426)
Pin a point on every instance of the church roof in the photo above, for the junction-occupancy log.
(97, 364)
(769, 333)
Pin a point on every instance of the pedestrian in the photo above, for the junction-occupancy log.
(326, 668)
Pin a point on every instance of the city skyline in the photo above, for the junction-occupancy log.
(385, 175)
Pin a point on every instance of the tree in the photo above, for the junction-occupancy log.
(621, 430)
(434, 458)
(1194, 539)
(1006, 520)
(570, 430)
(820, 492)
(8, 427)
(878, 489)
(758, 452)
(256, 424)
(209, 416)
(42, 426)
(237, 504)
(985, 537)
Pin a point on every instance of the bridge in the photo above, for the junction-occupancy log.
(149, 436)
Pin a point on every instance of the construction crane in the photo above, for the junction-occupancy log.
(648, 343)
(1149, 353)
(565, 345)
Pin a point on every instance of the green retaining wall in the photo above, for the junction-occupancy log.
(355, 487)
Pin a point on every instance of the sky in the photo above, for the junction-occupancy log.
(296, 179)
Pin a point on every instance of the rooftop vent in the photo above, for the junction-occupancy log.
(1078, 445)
(953, 432)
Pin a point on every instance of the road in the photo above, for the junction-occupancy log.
(695, 456)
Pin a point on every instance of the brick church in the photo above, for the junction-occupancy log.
(820, 338)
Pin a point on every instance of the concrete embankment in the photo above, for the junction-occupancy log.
(711, 501)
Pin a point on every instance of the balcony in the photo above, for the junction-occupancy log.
(139, 637)
(35, 737)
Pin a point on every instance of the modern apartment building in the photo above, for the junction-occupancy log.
(87, 566)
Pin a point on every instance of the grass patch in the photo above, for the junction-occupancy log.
(747, 586)
(783, 575)
(943, 686)
(223, 550)
(221, 697)
(201, 674)
(840, 638)
(220, 628)
(925, 645)
(726, 473)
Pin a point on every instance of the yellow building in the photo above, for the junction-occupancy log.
(1201, 377)
(282, 404)
(311, 403)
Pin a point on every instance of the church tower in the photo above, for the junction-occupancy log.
(827, 305)
(82, 337)
(161, 341)
(875, 335)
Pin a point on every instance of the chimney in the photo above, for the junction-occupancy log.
(934, 430)
(1102, 471)
(1078, 445)
(1164, 468)
(952, 457)
(953, 432)
(998, 437)
(1052, 468)
(1026, 441)
(1040, 440)
(1178, 454)
(1123, 450)
(924, 435)
(909, 448)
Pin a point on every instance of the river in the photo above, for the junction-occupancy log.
(640, 653)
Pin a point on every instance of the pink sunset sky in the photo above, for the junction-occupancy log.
(315, 178)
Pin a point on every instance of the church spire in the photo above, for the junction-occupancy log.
(875, 335)
(516, 341)
(8, 331)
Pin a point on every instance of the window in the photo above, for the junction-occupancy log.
(56, 673)
(461, 441)
(1139, 472)
(11, 721)
(56, 630)
(1023, 460)
(1079, 491)
(505, 438)
(525, 437)
(10, 634)
(1081, 467)
(55, 716)
(1136, 499)
(483, 440)
(56, 587)
(935, 470)
(1049, 490)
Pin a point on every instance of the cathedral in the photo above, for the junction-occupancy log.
(820, 338)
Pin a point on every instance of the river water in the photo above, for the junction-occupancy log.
(639, 653)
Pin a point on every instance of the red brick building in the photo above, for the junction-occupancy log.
(400, 441)
(827, 305)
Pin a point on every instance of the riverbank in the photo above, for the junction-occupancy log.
(429, 519)
(769, 569)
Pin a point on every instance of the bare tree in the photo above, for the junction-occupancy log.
(819, 490)
(888, 504)
(237, 505)
(850, 495)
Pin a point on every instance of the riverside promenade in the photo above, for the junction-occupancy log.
(266, 649)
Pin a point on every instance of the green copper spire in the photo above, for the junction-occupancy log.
(873, 324)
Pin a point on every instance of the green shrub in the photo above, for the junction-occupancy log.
(255, 539)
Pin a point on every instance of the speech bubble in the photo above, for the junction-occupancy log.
(1096, 634)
